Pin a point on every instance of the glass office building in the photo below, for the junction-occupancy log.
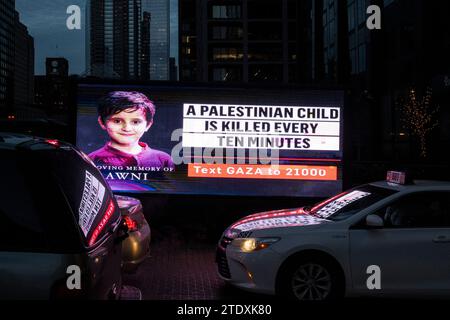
(113, 38)
(159, 37)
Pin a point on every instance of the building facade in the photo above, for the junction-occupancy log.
(113, 38)
(7, 18)
(379, 67)
(145, 45)
(173, 69)
(159, 38)
(23, 65)
(244, 40)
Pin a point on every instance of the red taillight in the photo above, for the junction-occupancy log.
(53, 142)
(131, 224)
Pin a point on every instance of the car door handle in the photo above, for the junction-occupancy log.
(441, 239)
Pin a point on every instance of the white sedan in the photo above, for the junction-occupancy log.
(385, 239)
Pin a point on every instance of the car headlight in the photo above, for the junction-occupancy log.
(253, 244)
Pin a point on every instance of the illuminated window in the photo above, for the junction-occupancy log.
(265, 52)
(227, 54)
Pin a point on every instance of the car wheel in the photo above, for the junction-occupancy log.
(312, 280)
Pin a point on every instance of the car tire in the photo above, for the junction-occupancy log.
(311, 279)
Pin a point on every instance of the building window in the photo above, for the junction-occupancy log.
(262, 73)
(265, 31)
(292, 31)
(226, 12)
(351, 16)
(362, 58)
(226, 74)
(293, 74)
(361, 11)
(353, 60)
(292, 53)
(388, 2)
(265, 52)
(186, 73)
(185, 27)
(227, 54)
(226, 33)
(265, 9)
(332, 30)
(292, 9)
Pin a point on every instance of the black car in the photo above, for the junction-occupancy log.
(61, 229)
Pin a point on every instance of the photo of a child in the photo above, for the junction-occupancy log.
(126, 116)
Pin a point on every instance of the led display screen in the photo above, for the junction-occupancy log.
(213, 140)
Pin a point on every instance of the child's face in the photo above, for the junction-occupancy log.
(126, 127)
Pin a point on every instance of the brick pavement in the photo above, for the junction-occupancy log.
(182, 267)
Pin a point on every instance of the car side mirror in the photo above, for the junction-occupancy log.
(374, 221)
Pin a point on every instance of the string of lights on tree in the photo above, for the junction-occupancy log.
(418, 115)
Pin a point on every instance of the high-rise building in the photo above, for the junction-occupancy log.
(338, 29)
(145, 46)
(7, 19)
(23, 65)
(379, 66)
(244, 40)
(52, 90)
(159, 38)
(113, 39)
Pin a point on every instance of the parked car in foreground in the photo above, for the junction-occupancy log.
(389, 238)
(62, 231)
(136, 247)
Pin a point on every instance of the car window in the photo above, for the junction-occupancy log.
(350, 202)
(418, 210)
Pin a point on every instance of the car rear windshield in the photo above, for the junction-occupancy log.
(88, 194)
(350, 202)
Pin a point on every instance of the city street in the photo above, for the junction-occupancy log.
(306, 138)
(185, 232)
(183, 268)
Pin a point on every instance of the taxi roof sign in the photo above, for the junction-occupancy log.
(397, 177)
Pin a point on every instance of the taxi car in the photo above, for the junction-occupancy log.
(388, 238)
(57, 216)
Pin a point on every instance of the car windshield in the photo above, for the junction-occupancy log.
(346, 204)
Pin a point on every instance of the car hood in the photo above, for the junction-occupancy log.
(273, 219)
